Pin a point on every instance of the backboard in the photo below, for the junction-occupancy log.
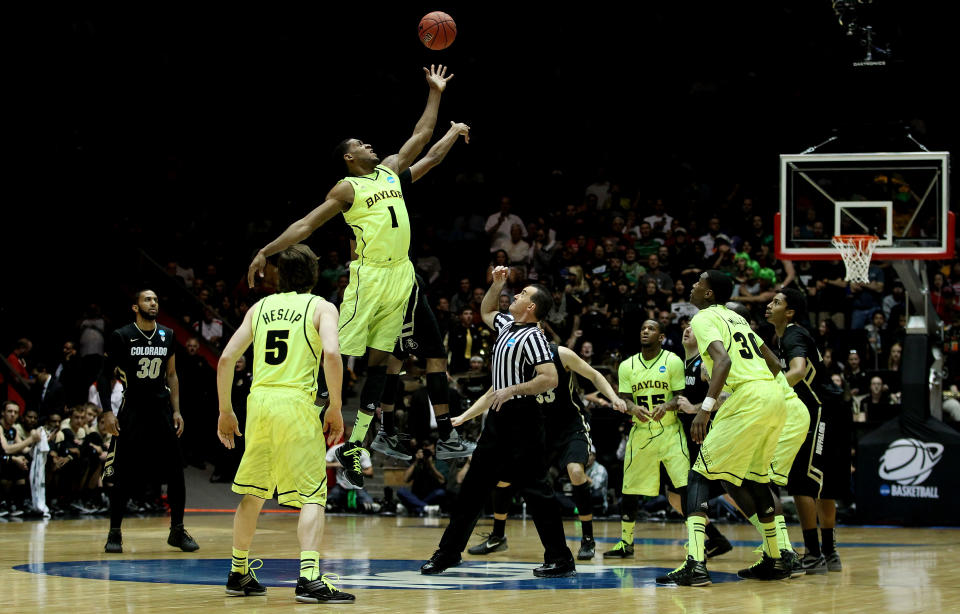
(903, 198)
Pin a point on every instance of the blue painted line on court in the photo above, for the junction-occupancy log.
(659, 541)
(363, 573)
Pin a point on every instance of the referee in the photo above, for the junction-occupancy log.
(512, 446)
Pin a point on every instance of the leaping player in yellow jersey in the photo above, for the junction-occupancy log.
(743, 437)
(285, 451)
(382, 277)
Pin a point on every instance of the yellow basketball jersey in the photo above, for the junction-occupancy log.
(286, 344)
(379, 217)
(652, 382)
(717, 323)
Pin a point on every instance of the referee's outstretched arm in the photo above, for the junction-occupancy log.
(488, 307)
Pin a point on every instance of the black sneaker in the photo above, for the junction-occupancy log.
(766, 568)
(114, 542)
(792, 561)
(622, 550)
(390, 445)
(13, 510)
(717, 546)
(691, 573)
(321, 590)
(246, 584)
(833, 561)
(454, 447)
(439, 563)
(492, 543)
(348, 455)
(588, 549)
(179, 538)
(565, 569)
(813, 565)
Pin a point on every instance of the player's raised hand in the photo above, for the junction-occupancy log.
(461, 129)
(500, 274)
(227, 427)
(256, 267)
(437, 77)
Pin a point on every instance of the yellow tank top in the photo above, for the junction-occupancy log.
(652, 382)
(379, 217)
(717, 323)
(286, 344)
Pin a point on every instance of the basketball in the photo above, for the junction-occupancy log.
(437, 30)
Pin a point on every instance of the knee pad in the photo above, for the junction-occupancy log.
(437, 388)
(628, 507)
(373, 388)
(697, 495)
(390, 384)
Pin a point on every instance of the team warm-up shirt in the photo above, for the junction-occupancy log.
(286, 344)
(798, 342)
(140, 359)
(563, 410)
(717, 323)
(518, 350)
(652, 382)
(378, 217)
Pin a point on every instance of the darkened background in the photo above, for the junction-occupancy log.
(190, 131)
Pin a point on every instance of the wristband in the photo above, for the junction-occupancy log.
(708, 404)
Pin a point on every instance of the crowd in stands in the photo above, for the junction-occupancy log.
(612, 261)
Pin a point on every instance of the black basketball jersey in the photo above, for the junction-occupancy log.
(796, 342)
(695, 388)
(141, 362)
(562, 406)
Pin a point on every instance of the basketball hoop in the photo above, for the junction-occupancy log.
(856, 251)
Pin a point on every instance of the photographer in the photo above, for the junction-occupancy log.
(424, 490)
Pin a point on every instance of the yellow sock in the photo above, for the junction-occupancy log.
(770, 545)
(360, 427)
(696, 537)
(310, 564)
(626, 531)
(783, 538)
(239, 562)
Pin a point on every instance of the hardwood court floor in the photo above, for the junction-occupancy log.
(59, 566)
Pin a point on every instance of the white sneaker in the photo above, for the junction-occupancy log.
(431, 510)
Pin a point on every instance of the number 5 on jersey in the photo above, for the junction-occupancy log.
(276, 347)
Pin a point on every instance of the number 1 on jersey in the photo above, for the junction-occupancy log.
(393, 217)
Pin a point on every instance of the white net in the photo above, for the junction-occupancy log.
(856, 251)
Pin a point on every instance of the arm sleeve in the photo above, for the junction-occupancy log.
(537, 349)
(406, 178)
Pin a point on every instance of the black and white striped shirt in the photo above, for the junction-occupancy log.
(519, 348)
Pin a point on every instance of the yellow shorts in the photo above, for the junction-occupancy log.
(794, 432)
(284, 449)
(649, 446)
(373, 307)
(743, 436)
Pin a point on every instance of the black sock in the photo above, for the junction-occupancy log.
(829, 546)
(586, 528)
(118, 505)
(712, 531)
(811, 542)
(581, 497)
(176, 498)
(389, 426)
(443, 426)
(499, 527)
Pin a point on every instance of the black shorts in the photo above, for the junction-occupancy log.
(420, 335)
(147, 449)
(835, 458)
(571, 449)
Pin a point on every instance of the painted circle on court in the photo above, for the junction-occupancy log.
(363, 573)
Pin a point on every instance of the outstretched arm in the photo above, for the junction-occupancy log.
(439, 150)
(479, 406)
(338, 199)
(572, 361)
(437, 80)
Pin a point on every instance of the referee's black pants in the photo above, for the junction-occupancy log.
(515, 454)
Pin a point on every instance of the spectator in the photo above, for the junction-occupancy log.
(18, 362)
(646, 244)
(854, 374)
(500, 258)
(656, 274)
(210, 328)
(69, 374)
(659, 221)
(92, 338)
(632, 268)
(463, 297)
(894, 299)
(709, 239)
(518, 250)
(423, 492)
(116, 394)
(464, 341)
(865, 298)
(28, 422)
(894, 357)
(333, 268)
(877, 407)
(428, 265)
(441, 312)
(597, 477)
(49, 394)
(499, 224)
(14, 492)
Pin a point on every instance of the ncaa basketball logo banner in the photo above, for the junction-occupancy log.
(908, 475)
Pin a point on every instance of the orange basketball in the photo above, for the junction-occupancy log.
(437, 30)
